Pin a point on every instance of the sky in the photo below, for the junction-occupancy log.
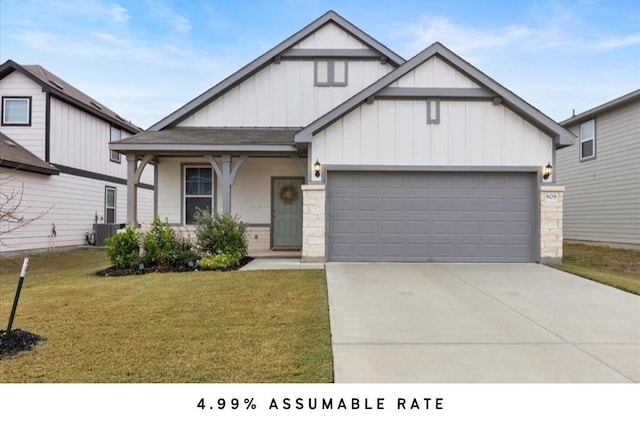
(146, 58)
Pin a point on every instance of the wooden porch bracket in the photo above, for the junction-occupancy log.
(227, 176)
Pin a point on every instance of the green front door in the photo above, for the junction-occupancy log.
(286, 212)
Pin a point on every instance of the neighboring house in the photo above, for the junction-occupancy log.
(601, 173)
(333, 144)
(55, 154)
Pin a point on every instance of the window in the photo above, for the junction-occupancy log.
(588, 140)
(198, 191)
(115, 136)
(16, 111)
(109, 205)
(330, 72)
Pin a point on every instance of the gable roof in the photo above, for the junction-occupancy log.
(608, 106)
(561, 136)
(267, 57)
(15, 156)
(64, 91)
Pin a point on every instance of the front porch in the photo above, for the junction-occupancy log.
(254, 174)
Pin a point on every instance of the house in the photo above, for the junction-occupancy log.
(56, 162)
(333, 144)
(601, 173)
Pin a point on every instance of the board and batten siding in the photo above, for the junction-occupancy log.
(30, 137)
(71, 202)
(395, 132)
(81, 141)
(330, 36)
(283, 95)
(602, 196)
(250, 194)
(435, 73)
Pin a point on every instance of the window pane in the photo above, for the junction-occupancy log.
(586, 149)
(110, 198)
(197, 181)
(111, 216)
(586, 130)
(115, 156)
(322, 72)
(16, 111)
(115, 134)
(340, 72)
(191, 204)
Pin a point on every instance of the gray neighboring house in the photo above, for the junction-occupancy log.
(601, 173)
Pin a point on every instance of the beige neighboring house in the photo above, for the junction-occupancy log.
(54, 152)
(601, 173)
(332, 144)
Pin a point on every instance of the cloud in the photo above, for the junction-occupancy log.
(116, 12)
(617, 42)
(167, 15)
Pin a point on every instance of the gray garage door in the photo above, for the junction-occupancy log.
(440, 217)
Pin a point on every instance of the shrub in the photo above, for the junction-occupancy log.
(220, 261)
(123, 248)
(159, 244)
(218, 234)
(184, 252)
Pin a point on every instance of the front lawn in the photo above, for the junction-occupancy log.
(616, 267)
(194, 327)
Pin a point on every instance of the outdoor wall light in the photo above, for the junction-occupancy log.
(316, 168)
(547, 171)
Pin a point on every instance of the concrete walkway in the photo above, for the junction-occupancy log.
(279, 263)
(488, 323)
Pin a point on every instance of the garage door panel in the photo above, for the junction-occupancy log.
(429, 216)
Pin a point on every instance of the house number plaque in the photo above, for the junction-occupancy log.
(551, 196)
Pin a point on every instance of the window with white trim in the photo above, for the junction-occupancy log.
(330, 72)
(16, 111)
(116, 135)
(198, 191)
(109, 204)
(588, 140)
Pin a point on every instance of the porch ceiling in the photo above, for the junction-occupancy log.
(182, 140)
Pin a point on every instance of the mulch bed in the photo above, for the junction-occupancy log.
(115, 272)
(17, 341)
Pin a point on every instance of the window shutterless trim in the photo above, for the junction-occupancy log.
(581, 141)
(184, 195)
(117, 158)
(4, 110)
(331, 77)
(106, 206)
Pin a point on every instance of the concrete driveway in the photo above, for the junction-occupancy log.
(488, 323)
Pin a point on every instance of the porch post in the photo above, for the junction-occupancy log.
(227, 176)
(226, 184)
(132, 191)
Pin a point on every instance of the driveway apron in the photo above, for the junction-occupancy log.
(487, 323)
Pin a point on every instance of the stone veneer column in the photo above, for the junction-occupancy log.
(551, 224)
(313, 223)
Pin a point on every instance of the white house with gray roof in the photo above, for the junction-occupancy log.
(332, 144)
(55, 159)
(601, 173)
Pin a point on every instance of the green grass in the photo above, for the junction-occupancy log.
(196, 327)
(616, 267)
